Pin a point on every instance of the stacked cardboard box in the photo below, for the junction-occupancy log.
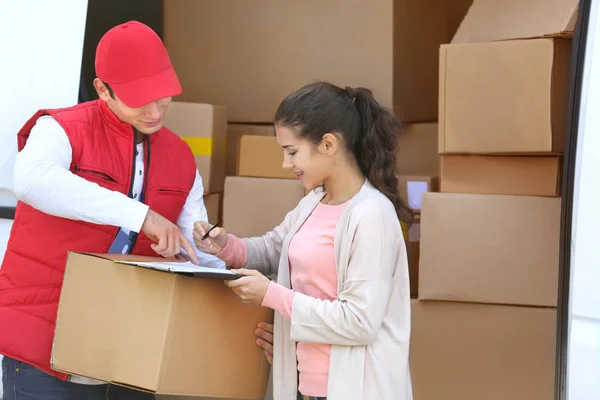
(380, 45)
(263, 192)
(204, 128)
(248, 55)
(234, 136)
(489, 242)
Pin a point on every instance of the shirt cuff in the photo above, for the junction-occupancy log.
(137, 216)
(279, 299)
(235, 252)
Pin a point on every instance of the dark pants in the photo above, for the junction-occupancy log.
(24, 382)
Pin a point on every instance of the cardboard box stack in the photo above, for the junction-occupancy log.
(485, 319)
(248, 55)
(251, 70)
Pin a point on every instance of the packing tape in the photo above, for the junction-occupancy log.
(200, 146)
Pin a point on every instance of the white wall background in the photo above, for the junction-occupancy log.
(584, 337)
(41, 44)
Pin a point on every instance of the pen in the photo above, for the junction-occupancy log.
(213, 227)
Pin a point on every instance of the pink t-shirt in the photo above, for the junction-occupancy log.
(313, 273)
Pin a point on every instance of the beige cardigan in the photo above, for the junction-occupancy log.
(368, 325)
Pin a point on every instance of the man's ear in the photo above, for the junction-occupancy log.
(101, 89)
(329, 144)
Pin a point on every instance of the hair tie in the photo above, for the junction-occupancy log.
(351, 93)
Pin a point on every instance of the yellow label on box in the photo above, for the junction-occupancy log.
(200, 146)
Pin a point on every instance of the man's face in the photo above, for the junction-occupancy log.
(147, 119)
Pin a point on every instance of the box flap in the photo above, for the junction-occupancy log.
(122, 257)
(490, 20)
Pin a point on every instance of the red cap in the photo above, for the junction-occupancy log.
(132, 59)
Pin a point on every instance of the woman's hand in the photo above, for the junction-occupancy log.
(250, 288)
(214, 243)
(264, 331)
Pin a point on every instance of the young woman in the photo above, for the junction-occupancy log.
(342, 293)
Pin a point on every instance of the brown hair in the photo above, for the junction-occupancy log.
(369, 131)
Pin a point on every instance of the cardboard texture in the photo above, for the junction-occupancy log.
(418, 150)
(525, 176)
(234, 134)
(212, 202)
(462, 351)
(491, 20)
(254, 206)
(204, 128)
(251, 70)
(262, 157)
(148, 329)
(504, 97)
(489, 249)
(412, 189)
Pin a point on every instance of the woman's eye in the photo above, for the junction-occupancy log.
(292, 153)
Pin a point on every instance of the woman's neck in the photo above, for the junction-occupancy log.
(342, 185)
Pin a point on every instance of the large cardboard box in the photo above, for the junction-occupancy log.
(254, 206)
(413, 187)
(157, 331)
(418, 150)
(204, 128)
(489, 249)
(212, 202)
(465, 351)
(262, 157)
(234, 135)
(526, 176)
(490, 20)
(504, 97)
(249, 55)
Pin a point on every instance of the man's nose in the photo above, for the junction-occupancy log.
(152, 111)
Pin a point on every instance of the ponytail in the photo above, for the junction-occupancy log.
(376, 148)
(369, 130)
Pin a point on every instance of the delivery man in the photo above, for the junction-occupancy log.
(102, 176)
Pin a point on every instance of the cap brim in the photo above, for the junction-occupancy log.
(146, 90)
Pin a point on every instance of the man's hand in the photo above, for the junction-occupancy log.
(264, 332)
(168, 237)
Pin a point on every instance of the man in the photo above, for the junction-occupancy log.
(102, 176)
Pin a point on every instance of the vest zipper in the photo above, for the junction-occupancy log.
(130, 192)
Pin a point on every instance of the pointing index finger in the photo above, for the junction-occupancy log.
(190, 250)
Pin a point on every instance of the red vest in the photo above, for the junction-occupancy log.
(33, 267)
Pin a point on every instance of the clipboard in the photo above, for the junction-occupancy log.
(185, 268)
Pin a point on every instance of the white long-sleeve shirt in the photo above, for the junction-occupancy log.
(42, 179)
